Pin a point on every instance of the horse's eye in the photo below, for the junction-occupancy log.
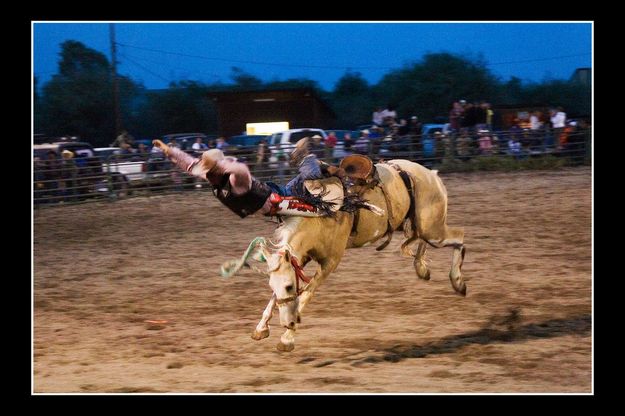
(289, 288)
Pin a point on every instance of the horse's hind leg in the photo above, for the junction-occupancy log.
(419, 262)
(419, 257)
(262, 329)
(454, 237)
(455, 274)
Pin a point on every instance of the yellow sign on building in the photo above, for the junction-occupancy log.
(266, 128)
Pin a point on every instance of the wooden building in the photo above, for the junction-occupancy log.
(300, 107)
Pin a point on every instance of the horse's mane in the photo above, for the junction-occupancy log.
(280, 242)
(284, 232)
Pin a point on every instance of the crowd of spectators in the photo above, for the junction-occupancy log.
(469, 133)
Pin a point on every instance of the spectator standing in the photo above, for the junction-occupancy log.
(485, 143)
(480, 116)
(262, 155)
(448, 146)
(330, 144)
(377, 117)
(470, 117)
(490, 115)
(69, 174)
(173, 143)
(463, 145)
(348, 142)
(403, 128)
(362, 144)
(536, 126)
(456, 117)
(124, 137)
(316, 146)
(514, 148)
(199, 146)
(414, 130)
(558, 120)
(221, 144)
(51, 175)
(389, 115)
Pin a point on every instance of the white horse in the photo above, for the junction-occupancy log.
(416, 204)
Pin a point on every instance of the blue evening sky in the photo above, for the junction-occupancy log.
(157, 53)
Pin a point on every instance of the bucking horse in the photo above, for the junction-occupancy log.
(413, 199)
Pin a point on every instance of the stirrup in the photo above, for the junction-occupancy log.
(292, 206)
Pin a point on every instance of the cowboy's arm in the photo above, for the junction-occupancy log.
(310, 168)
(240, 177)
(181, 159)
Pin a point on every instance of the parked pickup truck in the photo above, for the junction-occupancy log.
(134, 170)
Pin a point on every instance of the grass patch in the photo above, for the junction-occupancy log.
(502, 163)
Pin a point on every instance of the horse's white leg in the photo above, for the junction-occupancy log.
(287, 340)
(262, 329)
(455, 274)
(419, 262)
(454, 237)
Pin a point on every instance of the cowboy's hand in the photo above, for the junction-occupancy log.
(161, 146)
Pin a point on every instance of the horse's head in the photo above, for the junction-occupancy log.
(285, 274)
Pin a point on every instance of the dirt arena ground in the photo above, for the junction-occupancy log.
(102, 269)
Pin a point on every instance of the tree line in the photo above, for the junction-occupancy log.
(78, 100)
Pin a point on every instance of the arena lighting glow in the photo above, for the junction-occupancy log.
(266, 128)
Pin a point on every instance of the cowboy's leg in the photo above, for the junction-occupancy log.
(262, 329)
(289, 206)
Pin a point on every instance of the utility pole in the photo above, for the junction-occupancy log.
(118, 120)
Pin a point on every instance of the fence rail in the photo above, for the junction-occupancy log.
(71, 184)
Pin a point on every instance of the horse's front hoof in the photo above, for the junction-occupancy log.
(462, 291)
(424, 276)
(258, 335)
(285, 347)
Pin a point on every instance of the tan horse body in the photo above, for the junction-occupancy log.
(324, 239)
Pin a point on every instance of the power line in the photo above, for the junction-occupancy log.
(252, 62)
(539, 59)
(162, 63)
(331, 66)
(144, 68)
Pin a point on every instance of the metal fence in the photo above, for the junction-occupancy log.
(139, 174)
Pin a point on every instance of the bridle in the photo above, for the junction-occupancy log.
(299, 275)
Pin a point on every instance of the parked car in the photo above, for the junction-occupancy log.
(428, 140)
(244, 146)
(186, 140)
(428, 130)
(281, 144)
(288, 138)
(130, 170)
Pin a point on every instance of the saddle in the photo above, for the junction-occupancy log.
(363, 174)
(359, 168)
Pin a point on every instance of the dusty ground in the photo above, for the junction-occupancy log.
(102, 269)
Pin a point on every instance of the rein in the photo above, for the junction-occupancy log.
(299, 274)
